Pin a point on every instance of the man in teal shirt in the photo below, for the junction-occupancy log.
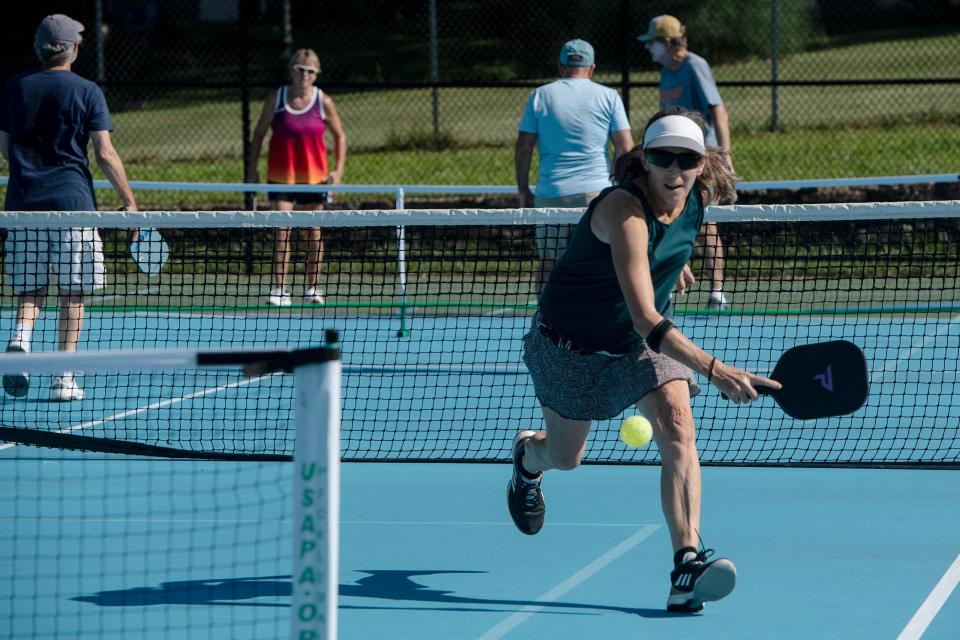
(686, 81)
(571, 122)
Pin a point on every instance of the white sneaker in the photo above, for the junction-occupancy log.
(314, 296)
(719, 299)
(17, 384)
(279, 298)
(65, 389)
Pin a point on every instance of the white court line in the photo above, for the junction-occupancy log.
(558, 591)
(156, 405)
(879, 374)
(521, 311)
(931, 606)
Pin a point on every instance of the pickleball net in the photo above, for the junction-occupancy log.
(108, 536)
(434, 304)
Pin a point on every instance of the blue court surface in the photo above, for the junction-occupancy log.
(116, 547)
(429, 551)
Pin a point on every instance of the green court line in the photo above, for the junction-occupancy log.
(401, 306)
(825, 311)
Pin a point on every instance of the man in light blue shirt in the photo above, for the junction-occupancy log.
(571, 122)
(686, 81)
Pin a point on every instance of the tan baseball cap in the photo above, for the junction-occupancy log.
(663, 27)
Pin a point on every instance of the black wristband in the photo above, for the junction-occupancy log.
(655, 337)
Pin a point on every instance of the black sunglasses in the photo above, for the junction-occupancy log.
(664, 159)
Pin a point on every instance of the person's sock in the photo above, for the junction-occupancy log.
(684, 555)
(22, 334)
(532, 477)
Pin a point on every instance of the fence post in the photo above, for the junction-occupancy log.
(98, 35)
(287, 31)
(243, 18)
(435, 72)
(774, 54)
(626, 41)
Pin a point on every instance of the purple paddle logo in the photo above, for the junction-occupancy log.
(826, 379)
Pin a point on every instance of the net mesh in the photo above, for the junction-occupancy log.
(101, 545)
(432, 307)
(123, 547)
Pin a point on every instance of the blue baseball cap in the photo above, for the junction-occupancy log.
(576, 53)
(58, 29)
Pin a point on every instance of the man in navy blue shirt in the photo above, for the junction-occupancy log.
(47, 117)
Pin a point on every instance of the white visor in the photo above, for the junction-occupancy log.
(674, 131)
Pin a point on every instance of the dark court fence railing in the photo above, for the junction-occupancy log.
(432, 92)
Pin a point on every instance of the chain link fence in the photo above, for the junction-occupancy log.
(431, 92)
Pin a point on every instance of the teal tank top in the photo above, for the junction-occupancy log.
(582, 299)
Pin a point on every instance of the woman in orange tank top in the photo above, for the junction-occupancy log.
(298, 116)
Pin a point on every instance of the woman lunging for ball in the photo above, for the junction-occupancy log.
(602, 340)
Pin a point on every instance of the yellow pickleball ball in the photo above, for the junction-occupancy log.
(636, 431)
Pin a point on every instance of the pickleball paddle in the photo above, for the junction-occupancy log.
(820, 380)
(150, 251)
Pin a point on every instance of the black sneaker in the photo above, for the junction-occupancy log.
(16, 384)
(697, 581)
(524, 498)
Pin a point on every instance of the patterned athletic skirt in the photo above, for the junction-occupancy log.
(580, 385)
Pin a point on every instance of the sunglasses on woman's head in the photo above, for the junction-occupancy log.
(305, 69)
(664, 159)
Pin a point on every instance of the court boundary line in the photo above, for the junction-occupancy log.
(518, 618)
(931, 606)
(917, 345)
(156, 405)
(101, 298)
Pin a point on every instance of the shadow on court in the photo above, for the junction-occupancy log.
(232, 591)
(393, 585)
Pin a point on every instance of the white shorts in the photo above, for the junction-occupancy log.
(552, 240)
(75, 255)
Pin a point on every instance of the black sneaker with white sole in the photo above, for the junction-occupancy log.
(524, 497)
(16, 384)
(697, 581)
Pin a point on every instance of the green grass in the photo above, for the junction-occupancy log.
(823, 132)
(824, 153)
(761, 155)
(925, 57)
